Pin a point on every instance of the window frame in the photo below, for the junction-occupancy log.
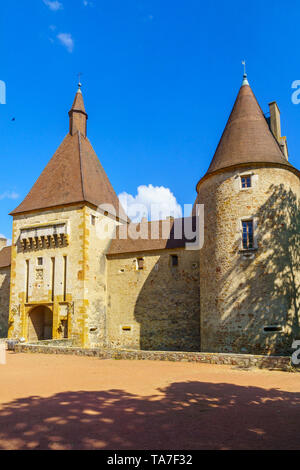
(242, 222)
(246, 177)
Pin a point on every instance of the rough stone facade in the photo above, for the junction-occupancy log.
(4, 300)
(71, 279)
(156, 308)
(244, 292)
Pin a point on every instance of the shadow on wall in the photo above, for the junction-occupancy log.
(269, 291)
(185, 415)
(4, 306)
(167, 307)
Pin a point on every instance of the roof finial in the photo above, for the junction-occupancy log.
(79, 82)
(245, 79)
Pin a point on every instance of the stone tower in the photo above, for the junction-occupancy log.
(61, 232)
(249, 265)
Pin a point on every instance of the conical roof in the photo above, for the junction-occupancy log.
(78, 103)
(73, 175)
(247, 137)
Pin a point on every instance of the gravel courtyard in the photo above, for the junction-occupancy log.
(69, 402)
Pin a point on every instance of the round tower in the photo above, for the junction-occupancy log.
(249, 264)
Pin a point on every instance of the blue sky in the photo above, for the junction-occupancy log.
(159, 81)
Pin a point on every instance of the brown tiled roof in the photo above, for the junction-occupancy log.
(5, 257)
(78, 103)
(169, 234)
(73, 175)
(247, 137)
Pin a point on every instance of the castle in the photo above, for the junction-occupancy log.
(240, 292)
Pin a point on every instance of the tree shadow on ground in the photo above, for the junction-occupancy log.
(184, 415)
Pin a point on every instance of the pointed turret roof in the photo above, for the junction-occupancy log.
(73, 175)
(78, 103)
(247, 137)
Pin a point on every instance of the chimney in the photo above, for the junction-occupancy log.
(3, 243)
(275, 126)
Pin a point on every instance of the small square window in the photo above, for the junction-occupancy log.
(40, 261)
(93, 219)
(140, 264)
(246, 181)
(247, 235)
(174, 260)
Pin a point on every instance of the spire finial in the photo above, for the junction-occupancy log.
(77, 114)
(245, 79)
(244, 64)
(79, 82)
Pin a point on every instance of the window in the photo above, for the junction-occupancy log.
(247, 236)
(272, 328)
(126, 328)
(93, 219)
(40, 261)
(174, 260)
(140, 263)
(246, 181)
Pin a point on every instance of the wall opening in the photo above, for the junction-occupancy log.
(40, 324)
(272, 328)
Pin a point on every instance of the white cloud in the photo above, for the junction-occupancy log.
(153, 202)
(53, 5)
(86, 3)
(66, 40)
(9, 195)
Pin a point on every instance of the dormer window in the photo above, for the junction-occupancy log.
(246, 181)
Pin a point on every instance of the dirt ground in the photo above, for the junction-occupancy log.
(69, 402)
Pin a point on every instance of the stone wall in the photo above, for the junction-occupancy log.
(156, 307)
(40, 290)
(98, 238)
(242, 293)
(82, 303)
(237, 360)
(4, 300)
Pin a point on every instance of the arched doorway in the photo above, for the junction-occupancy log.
(40, 324)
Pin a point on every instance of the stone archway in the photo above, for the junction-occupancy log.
(40, 324)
